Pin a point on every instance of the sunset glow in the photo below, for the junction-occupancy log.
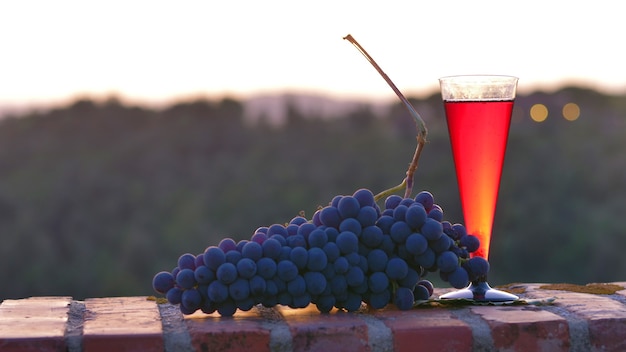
(155, 51)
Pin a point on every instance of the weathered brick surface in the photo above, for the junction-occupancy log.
(518, 328)
(426, 330)
(33, 324)
(605, 317)
(336, 331)
(243, 332)
(122, 324)
(575, 321)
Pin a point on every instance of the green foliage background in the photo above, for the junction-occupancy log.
(95, 198)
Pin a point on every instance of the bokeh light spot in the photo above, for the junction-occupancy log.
(539, 112)
(571, 111)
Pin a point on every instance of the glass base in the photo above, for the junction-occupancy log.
(480, 292)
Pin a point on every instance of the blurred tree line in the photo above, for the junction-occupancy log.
(95, 198)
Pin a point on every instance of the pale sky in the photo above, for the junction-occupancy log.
(151, 51)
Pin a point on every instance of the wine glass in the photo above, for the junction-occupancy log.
(478, 112)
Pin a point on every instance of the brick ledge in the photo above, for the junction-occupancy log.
(575, 322)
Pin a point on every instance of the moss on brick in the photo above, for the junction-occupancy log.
(597, 289)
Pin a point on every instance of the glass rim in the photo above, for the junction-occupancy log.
(469, 77)
(478, 87)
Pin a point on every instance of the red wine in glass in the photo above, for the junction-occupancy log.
(478, 112)
(478, 134)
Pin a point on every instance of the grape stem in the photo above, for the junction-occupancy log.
(422, 132)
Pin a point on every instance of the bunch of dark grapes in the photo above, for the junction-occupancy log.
(350, 252)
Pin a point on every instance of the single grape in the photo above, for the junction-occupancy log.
(286, 270)
(378, 282)
(400, 231)
(332, 251)
(447, 262)
(416, 243)
(436, 213)
(477, 268)
(187, 261)
(245, 304)
(365, 197)
(415, 216)
(458, 278)
(298, 220)
(432, 229)
(352, 302)
(325, 303)
(341, 265)
(258, 238)
(347, 242)
(421, 293)
(203, 275)
(392, 201)
(297, 286)
(385, 222)
(252, 250)
(426, 199)
(330, 216)
(350, 225)
(338, 285)
(403, 298)
(317, 238)
(191, 299)
(317, 259)
(266, 268)
(299, 256)
(217, 292)
(399, 213)
(214, 257)
(470, 242)
(233, 257)
(258, 285)
(371, 236)
(271, 248)
(246, 268)
(315, 282)
(305, 229)
(227, 308)
(276, 229)
(380, 300)
(332, 233)
(396, 269)
(226, 273)
(348, 207)
(162, 282)
(355, 276)
(227, 244)
(377, 260)
(301, 301)
(174, 295)
(429, 286)
(367, 216)
(186, 279)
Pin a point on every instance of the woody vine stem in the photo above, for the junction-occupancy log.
(422, 132)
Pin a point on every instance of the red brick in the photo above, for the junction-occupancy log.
(243, 332)
(525, 328)
(606, 318)
(426, 330)
(336, 331)
(33, 324)
(122, 324)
